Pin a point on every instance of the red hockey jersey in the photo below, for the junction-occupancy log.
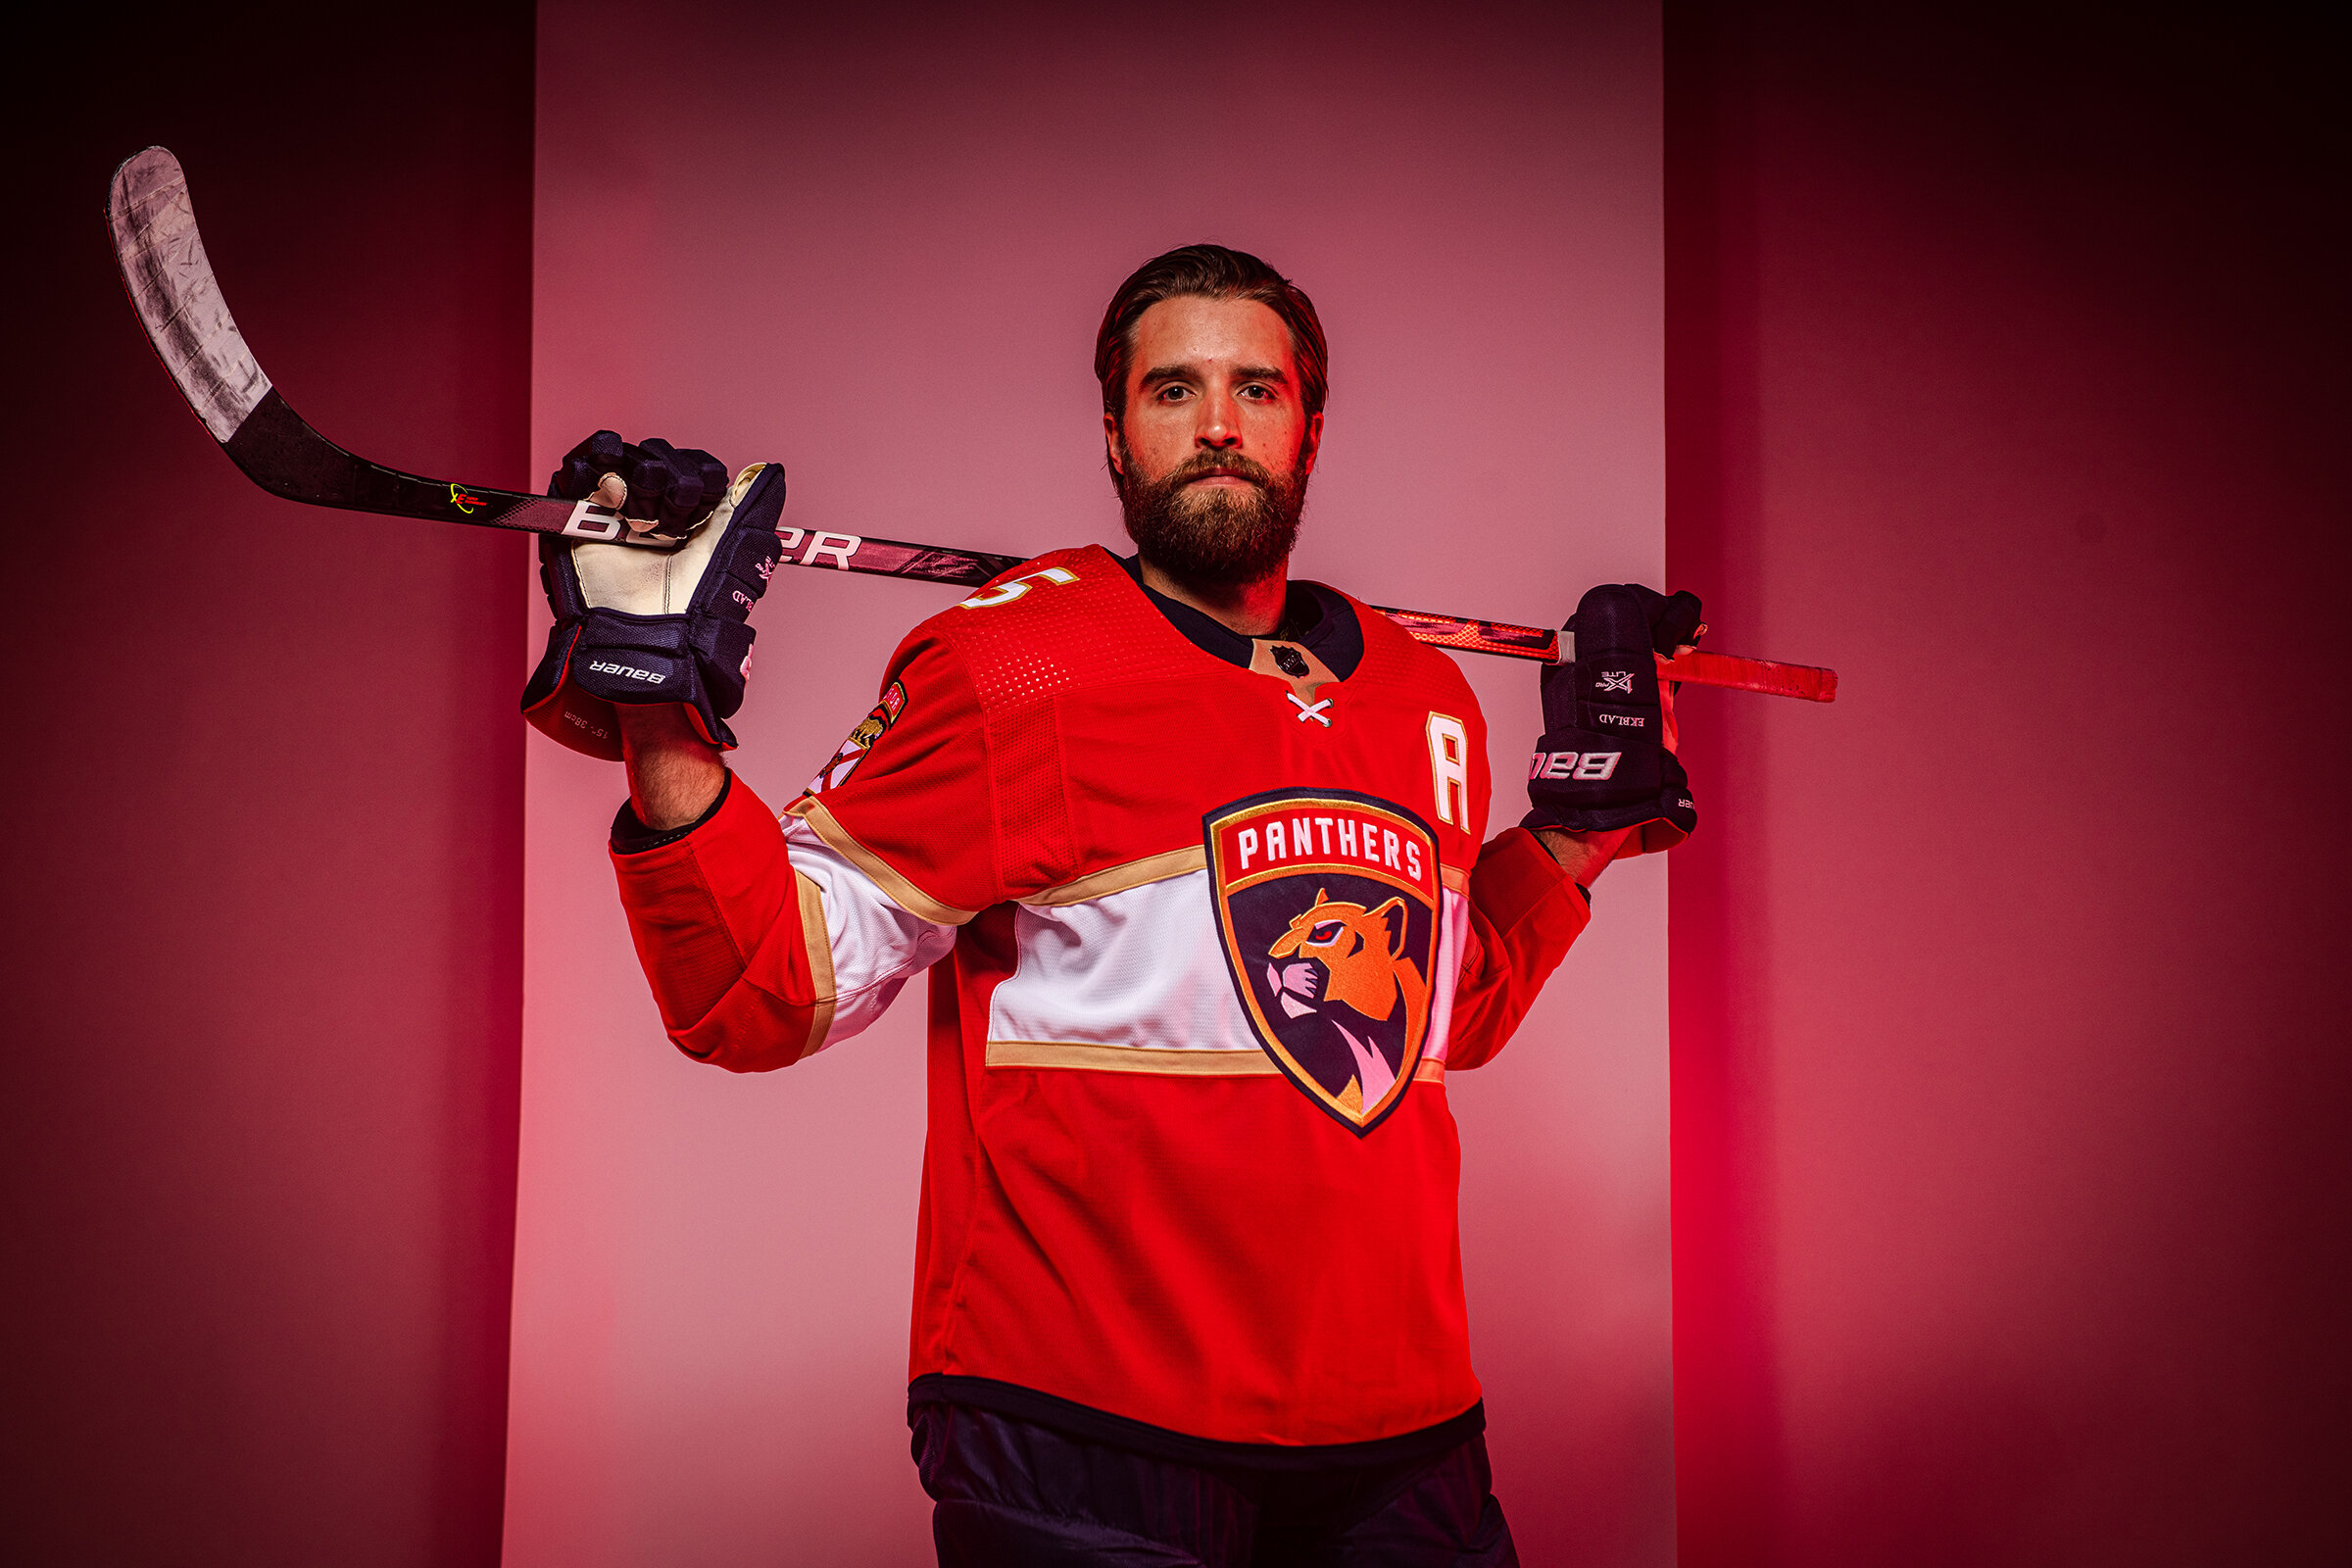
(1209, 922)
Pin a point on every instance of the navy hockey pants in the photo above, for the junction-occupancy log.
(1009, 1494)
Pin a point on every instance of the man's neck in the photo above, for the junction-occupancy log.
(1249, 609)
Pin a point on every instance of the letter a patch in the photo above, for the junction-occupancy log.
(1327, 905)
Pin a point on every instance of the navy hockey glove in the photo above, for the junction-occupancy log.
(669, 491)
(1606, 756)
(636, 625)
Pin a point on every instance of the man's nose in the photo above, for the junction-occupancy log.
(1220, 427)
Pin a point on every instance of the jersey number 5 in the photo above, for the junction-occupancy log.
(1005, 593)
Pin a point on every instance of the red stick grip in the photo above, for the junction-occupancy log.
(1729, 670)
(1814, 685)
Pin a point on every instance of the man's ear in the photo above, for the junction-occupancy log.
(1111, 443)
(1312, 444)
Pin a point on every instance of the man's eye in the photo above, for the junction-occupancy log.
(1261, 393)
(1169, 394)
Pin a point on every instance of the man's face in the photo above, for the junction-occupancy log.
(1213, 454)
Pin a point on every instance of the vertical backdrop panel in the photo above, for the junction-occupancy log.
(876, 249)
(2008, 378)
(261, 900)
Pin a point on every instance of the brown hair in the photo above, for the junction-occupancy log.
(1217, 273)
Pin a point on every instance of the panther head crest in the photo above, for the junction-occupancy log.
(1363, 952)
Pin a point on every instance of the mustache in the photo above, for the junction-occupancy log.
(1209, 463)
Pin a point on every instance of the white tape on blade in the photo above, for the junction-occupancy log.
(170, 282)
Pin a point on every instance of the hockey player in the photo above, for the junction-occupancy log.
(1196, 858)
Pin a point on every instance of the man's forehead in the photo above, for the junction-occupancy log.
(1195, 330)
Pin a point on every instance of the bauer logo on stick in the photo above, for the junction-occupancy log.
(1327, 906)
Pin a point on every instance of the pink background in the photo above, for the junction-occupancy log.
(882, 260)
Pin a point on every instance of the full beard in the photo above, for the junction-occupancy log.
(1213, 538)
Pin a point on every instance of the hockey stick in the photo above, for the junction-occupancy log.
(170, 284)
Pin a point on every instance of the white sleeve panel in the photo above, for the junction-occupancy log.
(1453, 946)
(876, 946)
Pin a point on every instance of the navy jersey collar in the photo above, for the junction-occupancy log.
(1312, 617)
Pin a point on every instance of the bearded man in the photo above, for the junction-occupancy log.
(1193, 854)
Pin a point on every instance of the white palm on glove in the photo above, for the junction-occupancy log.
(639, 626)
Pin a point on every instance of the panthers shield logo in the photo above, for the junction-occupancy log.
(1327, 901)
(862, 739)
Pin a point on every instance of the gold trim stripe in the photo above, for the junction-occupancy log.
(900, 892)
(1455, 877)
(1097, 1057)
(820, 960)
(1119, 878)
(1094, 1057)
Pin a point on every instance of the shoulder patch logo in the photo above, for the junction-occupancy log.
(879, 719)
(1327, 905)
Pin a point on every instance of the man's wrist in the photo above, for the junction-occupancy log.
(674, 774)
(1583, 855)
(630, 835)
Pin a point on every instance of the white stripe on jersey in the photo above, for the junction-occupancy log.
(1145, 969)
(1453, 935)
(1141, 969)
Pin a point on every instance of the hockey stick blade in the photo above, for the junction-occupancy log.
(170, 283)
(170, 279)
